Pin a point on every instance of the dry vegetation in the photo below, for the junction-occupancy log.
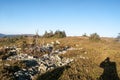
(81, 69)
(94, 53)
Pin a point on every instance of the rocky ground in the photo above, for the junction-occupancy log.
(72, 58)
(33, 64)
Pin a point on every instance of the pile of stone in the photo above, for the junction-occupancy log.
(49, 62)
(25, 74)
(9, 51)
(35, 65)
(20, 56)
(48, 48)
(38, 65)
(62, 50)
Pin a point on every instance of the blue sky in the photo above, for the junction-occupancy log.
(76, 17)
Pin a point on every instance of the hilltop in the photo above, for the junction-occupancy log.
(87, 56)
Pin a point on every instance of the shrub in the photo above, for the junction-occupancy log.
(84, 35)
(57, 34)
(94, 37)
(118, 38)
(48, 34)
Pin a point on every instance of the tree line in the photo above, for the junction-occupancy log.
(56, 34)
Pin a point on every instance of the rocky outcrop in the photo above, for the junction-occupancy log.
(35, 65)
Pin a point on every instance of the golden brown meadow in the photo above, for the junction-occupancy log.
(87, 68)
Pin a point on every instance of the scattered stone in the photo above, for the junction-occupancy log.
(34, 64)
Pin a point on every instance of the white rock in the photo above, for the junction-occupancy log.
(42, 68)
(30, 57)
(57, 42)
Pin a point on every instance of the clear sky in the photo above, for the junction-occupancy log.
(74, 16)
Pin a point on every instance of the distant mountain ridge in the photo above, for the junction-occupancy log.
(13, 35)
(2, 35)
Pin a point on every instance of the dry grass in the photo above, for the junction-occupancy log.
(94, 52)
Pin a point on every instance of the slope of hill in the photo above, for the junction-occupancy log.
(2, 35)
(88, 57)
(13, 35)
